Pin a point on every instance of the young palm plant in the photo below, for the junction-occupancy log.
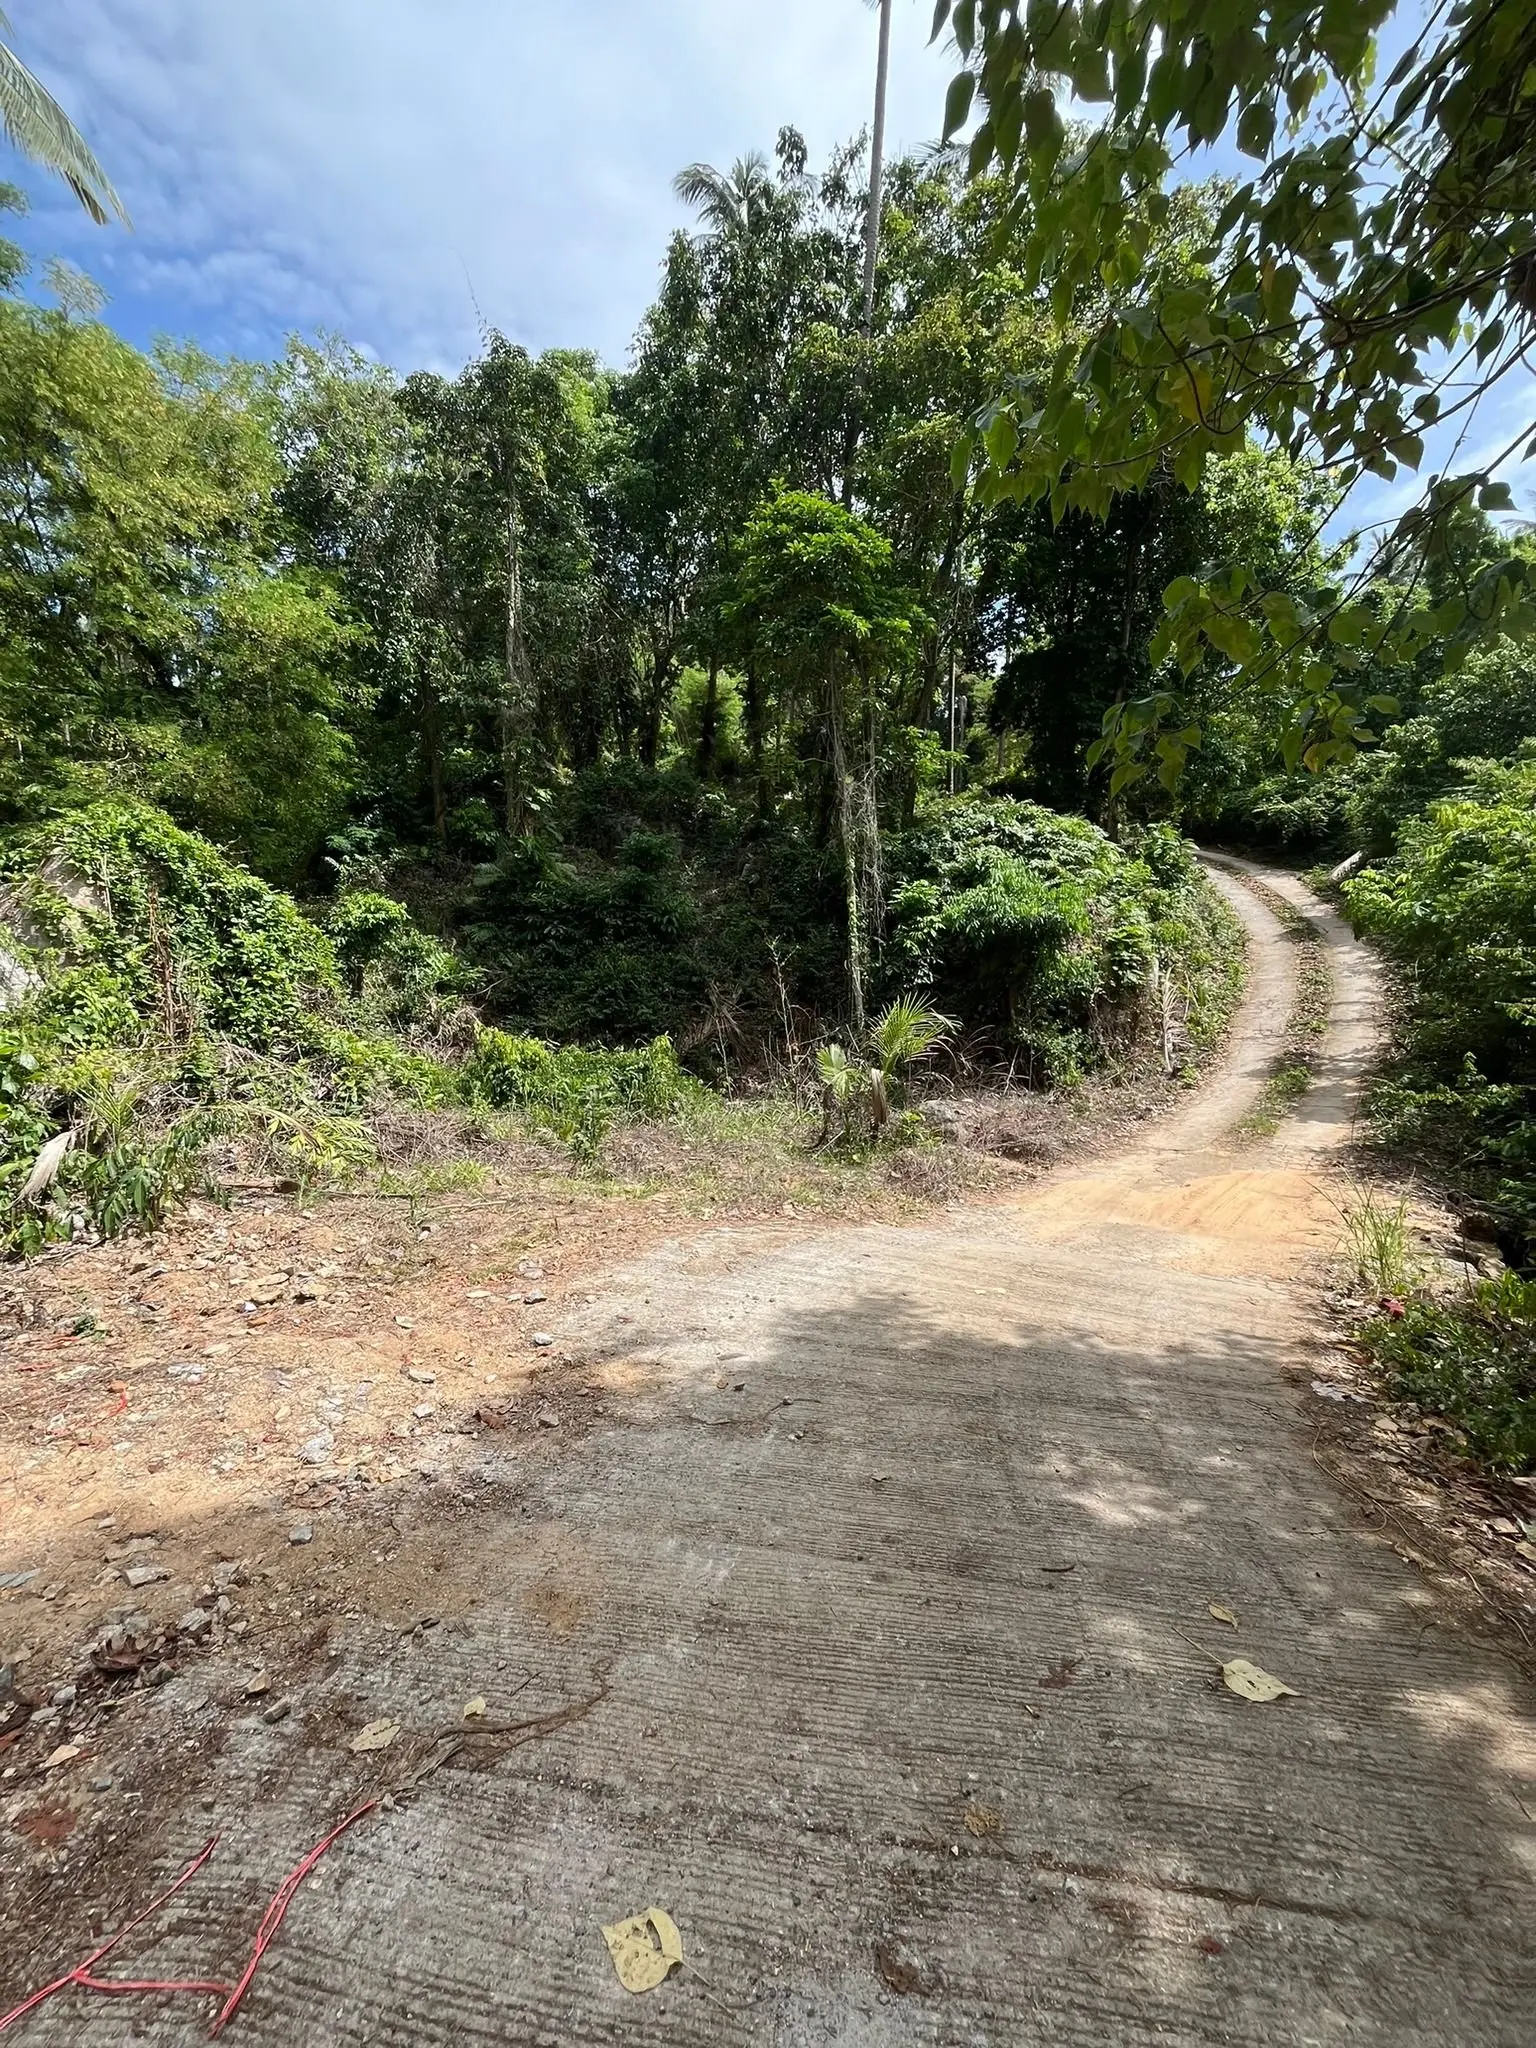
(906, 1031)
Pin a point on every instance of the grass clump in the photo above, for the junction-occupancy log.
(1471, 1360)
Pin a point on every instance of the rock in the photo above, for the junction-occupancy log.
(158, 1674)
(101, 1784)
(423, 1410)
(535, 1297)
(302, 1532)
(542, 1340)
(145, 1575)
(227, 1575)
(196, 1623)
(530, 1269)
(260, 1684)
(316, 1450)
(547, 1419)
(278, 1711)
(65, 1696)
(422, 1378)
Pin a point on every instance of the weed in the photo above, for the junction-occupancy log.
(1380, 1240)
(1471, 1360)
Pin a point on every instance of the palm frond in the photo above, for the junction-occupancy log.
(40, 129)
(908, 1030)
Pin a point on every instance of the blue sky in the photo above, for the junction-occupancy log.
(379, 167)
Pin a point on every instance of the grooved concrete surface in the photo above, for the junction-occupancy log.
(948, 1551)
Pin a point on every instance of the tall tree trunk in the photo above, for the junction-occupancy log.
(432, 750)
(876, 168)
(848, 828)
(754, 709)
(710, 721)
(517, 689)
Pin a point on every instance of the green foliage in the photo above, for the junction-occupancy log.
(1370, 279)
(655, 904)
(394, 971)
(1471, 1360)
(136, 918)
(572, 1091)
(1457, 906)
(1041, 932)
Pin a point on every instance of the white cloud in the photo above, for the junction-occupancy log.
(344, 164)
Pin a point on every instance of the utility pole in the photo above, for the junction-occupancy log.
(876, 169)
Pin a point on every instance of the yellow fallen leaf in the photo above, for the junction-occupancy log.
(474, 1710)
(1222, 1614)
(1250, 1683)
(645, 1948)
(377, 1735)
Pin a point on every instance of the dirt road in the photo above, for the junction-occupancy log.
(890, 1553)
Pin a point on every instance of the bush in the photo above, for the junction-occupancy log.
(394, 971)
(128, 916)
(1471, 1361)
(1043, 934)
(1457, 908)
(572, 1091)
(655, 909)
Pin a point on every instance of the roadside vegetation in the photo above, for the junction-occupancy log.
(817, 710)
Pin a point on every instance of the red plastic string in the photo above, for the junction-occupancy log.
(272, 1919)
(81, 1973)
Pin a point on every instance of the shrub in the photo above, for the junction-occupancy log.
(1472, 1361)
(127, 913)
(573, 1091)
(1043, 934)
(1457, 908)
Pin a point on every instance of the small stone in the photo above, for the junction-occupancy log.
(260, 1684)
(423, 1410)
(317, 1449)
(278, 1711)
(422, 1378)
(530, 1269)
(542, 1340)
(101, 1784)
(547, 1419)
(158, 1674)
(532, 1298)
(195, 1622)
(65, 1696)
(145, 1575)
(302, 1532)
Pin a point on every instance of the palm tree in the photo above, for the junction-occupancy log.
(731, 202)
(876, 167)
(41, 129)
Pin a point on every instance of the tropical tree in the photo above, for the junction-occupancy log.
(732, 202)
(41, 130)
(1372, 282)
(876, 166)
(820, 611)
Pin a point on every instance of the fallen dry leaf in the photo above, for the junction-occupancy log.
(1219, 1613)
(377, 1735)
(982, 1820)
(645, 1948)
(64, 1754)
(1250, 1683)
(474, 1710)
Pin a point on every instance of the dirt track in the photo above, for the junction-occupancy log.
(891, 1552)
